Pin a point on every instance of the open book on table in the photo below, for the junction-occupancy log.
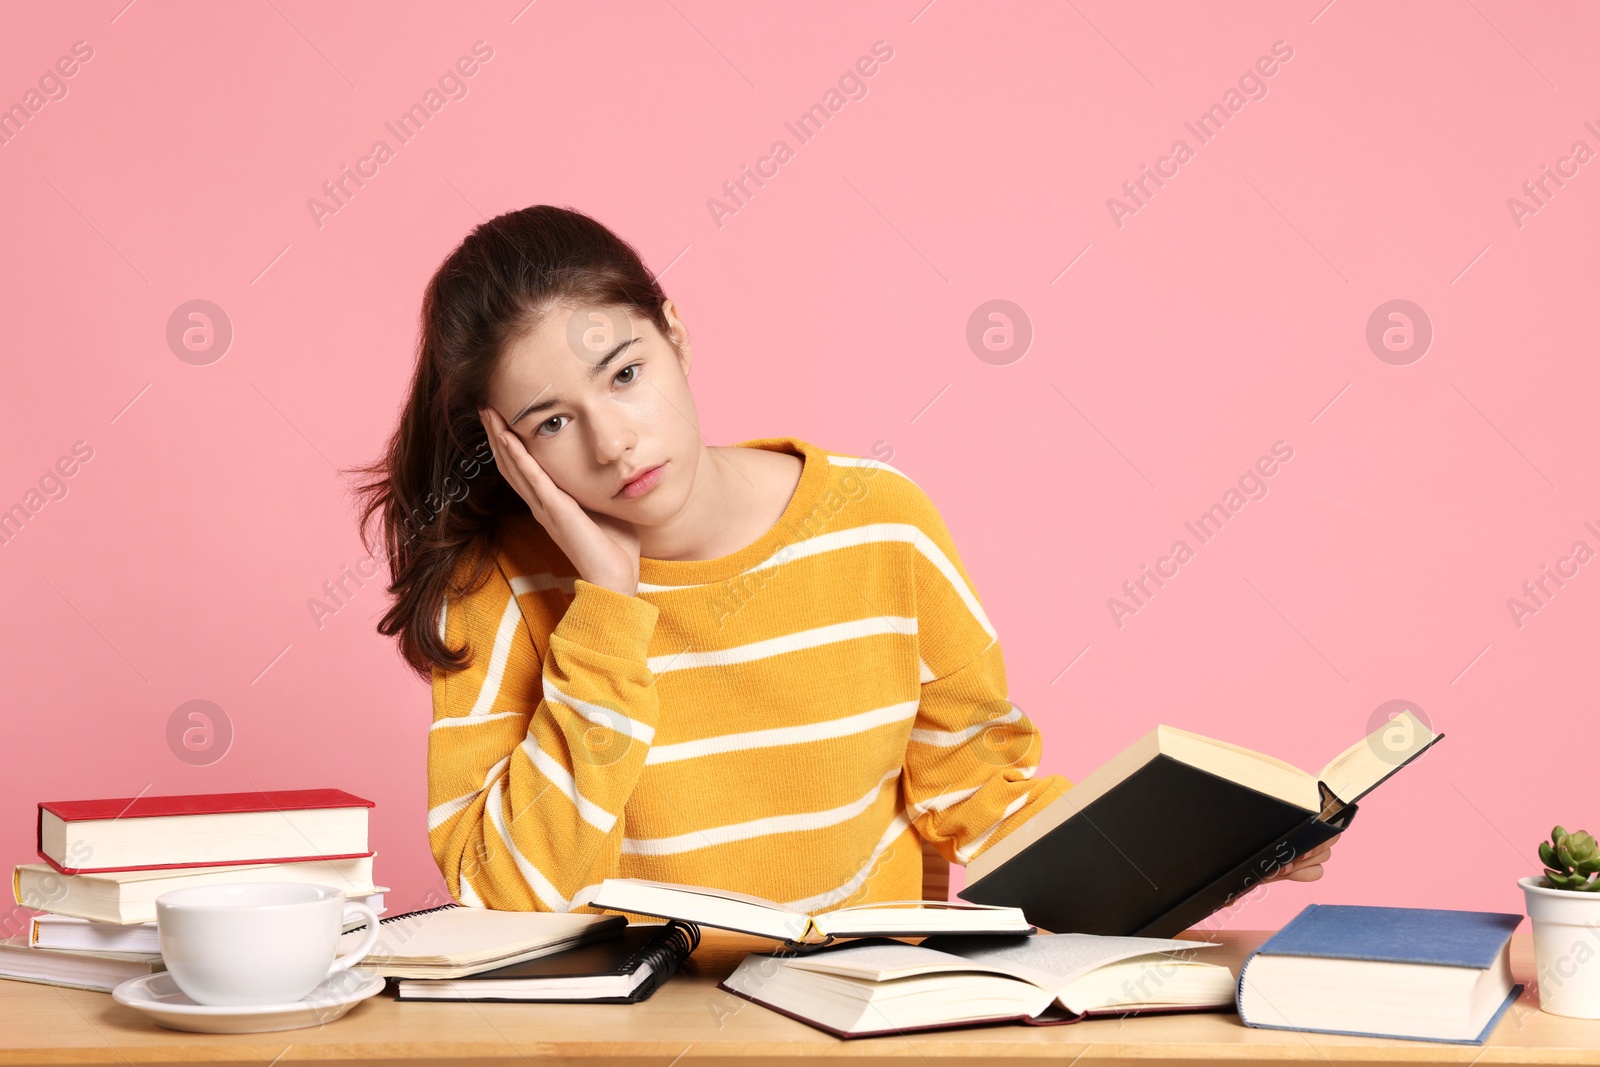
(877, 986)
(1178, 825)
(748, 914)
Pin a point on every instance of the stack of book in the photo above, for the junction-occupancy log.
(106, 861)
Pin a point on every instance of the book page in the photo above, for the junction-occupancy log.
(707, 891)
(1052, 961)
(1156, 980)
(878, 960)
(1358, 769)
(895, 917)
(924, 905)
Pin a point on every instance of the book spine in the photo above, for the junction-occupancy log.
(282, 801)
(1238, 989)
(1223, 891)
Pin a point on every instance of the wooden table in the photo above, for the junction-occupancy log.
(690, 1021)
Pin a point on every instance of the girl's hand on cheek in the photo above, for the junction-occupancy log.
(604, 549)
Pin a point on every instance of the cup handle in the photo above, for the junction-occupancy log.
(357, 954)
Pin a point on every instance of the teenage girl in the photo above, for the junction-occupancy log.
(760, 667)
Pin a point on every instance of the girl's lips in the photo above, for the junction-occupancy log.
(643, 483)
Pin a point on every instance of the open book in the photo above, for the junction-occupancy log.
(756, 915)
(1178, 825)
(877, 986)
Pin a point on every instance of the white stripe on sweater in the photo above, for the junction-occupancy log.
(532, 876)
(600, 715)
(784, 735)
(835, 898)
(951, 738)
(771, 824)
(469, 895)
(592, 813)
(584, 895)
(473, 720)
(792, 642)
(862, 461)
(964, 853)
(940, 802)
(542, 581)
(871, 533)
(440, 814)
(510, 619)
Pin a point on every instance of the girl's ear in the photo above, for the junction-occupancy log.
(677, 336)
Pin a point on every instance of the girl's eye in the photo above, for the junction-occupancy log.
(632, 371)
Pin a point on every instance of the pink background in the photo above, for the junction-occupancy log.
(1228, 313)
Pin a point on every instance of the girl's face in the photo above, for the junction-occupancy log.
(598, 396)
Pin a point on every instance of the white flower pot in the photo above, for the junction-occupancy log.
(1566, 948)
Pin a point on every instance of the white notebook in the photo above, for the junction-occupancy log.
(452, 941)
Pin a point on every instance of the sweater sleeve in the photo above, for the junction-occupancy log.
(531, 759)
(970, 761)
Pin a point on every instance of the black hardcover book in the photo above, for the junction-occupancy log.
(1176, 827)
(618, 970)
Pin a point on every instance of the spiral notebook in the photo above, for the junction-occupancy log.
(617, 970)
(452, 941)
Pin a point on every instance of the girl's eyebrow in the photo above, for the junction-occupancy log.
(541, 405)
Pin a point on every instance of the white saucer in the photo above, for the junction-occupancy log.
(158, 996)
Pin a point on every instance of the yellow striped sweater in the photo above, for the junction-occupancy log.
(783, 721)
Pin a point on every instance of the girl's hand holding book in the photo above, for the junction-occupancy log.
(604, 549)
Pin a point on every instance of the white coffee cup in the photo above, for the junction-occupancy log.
(255, 943)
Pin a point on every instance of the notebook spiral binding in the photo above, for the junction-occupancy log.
(414, 914)
(680, 939)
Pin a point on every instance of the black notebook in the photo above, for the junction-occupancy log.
(618, 970)
(1177, 826)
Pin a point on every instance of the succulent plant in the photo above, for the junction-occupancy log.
(1571, 859)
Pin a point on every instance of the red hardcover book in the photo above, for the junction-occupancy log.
(202, 830)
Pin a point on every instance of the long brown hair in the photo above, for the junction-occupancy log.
(437, 491)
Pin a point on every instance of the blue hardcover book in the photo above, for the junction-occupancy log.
(1424, 974)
